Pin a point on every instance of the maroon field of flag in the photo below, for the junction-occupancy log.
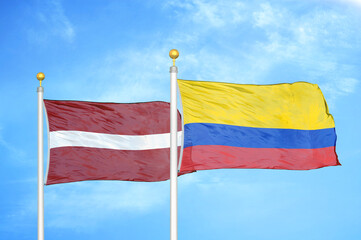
(108, 141)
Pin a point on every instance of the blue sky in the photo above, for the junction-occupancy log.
(118, 51)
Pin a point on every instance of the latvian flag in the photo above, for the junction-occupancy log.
(108, 141)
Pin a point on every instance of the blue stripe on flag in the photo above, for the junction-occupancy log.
(248, 137)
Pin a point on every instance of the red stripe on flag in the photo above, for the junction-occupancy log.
(73, 164)
(113, 118)
(205, 157)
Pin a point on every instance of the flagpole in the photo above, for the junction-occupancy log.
(40, 76)
(173, 148)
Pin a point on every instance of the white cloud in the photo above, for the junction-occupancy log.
(14, 152)
(135, 75)
(210, 13)
(214, 187)
(348, 85)
(307, 41)
(123, 75)
(313, 43)
(335, 88)
(52, 22)
(85, 204)
(211, 66)
(267, 16)
(352, 2)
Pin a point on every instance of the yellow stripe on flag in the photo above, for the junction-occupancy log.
(298, 105)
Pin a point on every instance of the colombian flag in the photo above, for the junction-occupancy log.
(281, 126)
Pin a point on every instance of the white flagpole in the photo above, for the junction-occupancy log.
(173, 148)
(40, 76)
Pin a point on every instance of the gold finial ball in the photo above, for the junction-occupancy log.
(40, 76)
(173, 53)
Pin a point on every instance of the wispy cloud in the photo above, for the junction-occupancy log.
(52, 22)
(84, 205)
(312, 42)
(213, 188)
(232, 42)
(10, 149)
(267, 16)
(136, 75)
(209, 13)
(339, 87)
(81, 205)
(356, 3)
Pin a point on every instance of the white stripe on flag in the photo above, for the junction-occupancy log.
(110, 141)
